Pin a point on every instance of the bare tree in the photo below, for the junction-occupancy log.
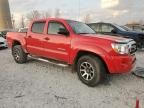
(87, 18)
(13, 21)
(35, 14)
(57, 13)
(22, 23)
(46, 14)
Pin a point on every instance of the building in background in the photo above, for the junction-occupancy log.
(5, 16)
(136, 26)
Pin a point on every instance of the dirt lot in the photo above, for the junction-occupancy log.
(41, 85)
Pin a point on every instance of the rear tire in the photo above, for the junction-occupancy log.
(19, 55)
(91, 70)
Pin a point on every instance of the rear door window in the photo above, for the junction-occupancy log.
(38, 27)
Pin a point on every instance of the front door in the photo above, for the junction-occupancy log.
(57, 46)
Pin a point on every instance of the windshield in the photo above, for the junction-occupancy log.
(80, 28)
(126, 28)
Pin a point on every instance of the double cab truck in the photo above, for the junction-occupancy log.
(74, 43)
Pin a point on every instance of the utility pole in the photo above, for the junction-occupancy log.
(5, 16)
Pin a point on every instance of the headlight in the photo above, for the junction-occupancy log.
(120, 48)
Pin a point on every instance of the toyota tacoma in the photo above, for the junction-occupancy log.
(74, 43)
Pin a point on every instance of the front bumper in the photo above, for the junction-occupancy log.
(3, 44)
(122, 64)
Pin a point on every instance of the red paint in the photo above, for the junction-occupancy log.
(137, 103)
(66, 48)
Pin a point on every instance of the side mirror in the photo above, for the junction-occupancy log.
(63, 31)
(114, 31)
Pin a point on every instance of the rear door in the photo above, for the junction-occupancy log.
(57, 46)
(34, 38)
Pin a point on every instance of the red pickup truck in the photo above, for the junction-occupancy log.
(74, 43)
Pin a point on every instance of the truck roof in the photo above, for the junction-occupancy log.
(56, 19)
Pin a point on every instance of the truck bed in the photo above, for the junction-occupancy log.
(15, 36)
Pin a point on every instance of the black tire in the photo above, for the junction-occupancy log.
(19, 55)
(95, 74)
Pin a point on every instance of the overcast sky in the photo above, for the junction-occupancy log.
(117, 11)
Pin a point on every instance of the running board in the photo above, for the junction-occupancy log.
(54, 62)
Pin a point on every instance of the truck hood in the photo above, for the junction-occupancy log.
(2, 39)
(110, 38)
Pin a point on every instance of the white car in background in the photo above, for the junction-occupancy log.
(3, 42)
(23, 30)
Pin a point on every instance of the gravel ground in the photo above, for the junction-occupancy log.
(41, 85)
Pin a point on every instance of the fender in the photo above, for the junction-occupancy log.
(93, 49)
(21, 40)
(102, 53)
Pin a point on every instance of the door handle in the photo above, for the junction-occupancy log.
(47, 38)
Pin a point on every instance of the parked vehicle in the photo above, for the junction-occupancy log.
(126, 28)
(116, 30)
(68, 42)
(3, 42)
(4, 32)
(136, 27)
(23, 30)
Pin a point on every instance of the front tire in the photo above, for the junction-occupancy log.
(90, 70)
(19, 55)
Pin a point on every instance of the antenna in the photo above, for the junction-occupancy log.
(79, 6)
